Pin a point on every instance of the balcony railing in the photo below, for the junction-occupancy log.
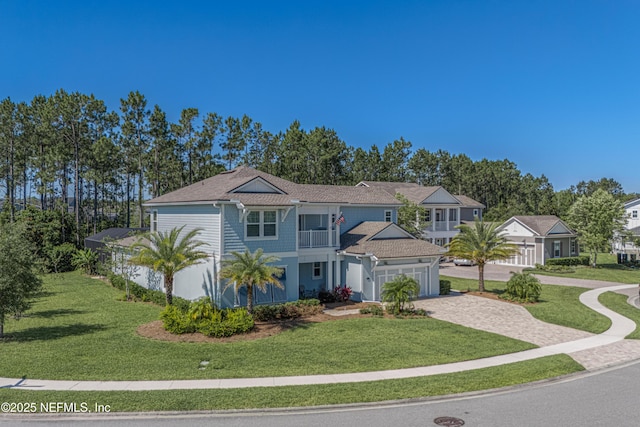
(442, 226)
(313, 239)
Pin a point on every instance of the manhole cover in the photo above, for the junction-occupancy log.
(449, 421)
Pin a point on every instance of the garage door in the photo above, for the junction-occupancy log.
(386, 275)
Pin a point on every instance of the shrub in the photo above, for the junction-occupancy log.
(202, 308)
(227, 322)
(146, 295)
(342, 293)
(59, 259)
(85, 259)
(176, 321)
(445, 287)
(289, 310)
(523, 287)
(569, 261)
(376, 310)
(326, 297)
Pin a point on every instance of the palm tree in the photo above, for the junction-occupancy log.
(481, 243)
(251, 270)
(166, 253)
(400, 291)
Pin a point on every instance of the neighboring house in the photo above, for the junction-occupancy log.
(538, 238)
(627, 245)
(98, 242)
(443, 211)
(304, 226)
(469, 209)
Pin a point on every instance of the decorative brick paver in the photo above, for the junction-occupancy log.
(499, 317)
(607, 355)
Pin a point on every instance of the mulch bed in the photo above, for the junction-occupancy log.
(156, 331)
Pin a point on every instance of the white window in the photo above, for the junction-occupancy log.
(634, 214)
(317, 270)
(475, 213)
(154, 220)
(261, 224)
(387, 216)
(557, 245)
(573, 246)
(427, 215)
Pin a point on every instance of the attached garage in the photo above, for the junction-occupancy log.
(375, 253)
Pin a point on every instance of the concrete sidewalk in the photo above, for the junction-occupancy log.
(601, 344)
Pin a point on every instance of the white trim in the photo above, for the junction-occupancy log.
(153, 226)
(261, 223)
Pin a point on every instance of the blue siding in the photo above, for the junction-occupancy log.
(355, 215)
(205, 217)
(307, 280)
(234, 234)
(276, 295)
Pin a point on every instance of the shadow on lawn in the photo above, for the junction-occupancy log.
(47, 314)
(52, 332)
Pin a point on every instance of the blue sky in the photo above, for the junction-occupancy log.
(553, 86)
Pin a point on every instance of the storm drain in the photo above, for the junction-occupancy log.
(449, 421)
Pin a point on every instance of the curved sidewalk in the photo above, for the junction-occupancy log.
(620, 327)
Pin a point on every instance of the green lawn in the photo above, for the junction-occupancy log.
(607, 269)
(291, 396)
(79, 331)
(618, 303)
(559, 305)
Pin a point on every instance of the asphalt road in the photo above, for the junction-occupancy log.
(605, 398)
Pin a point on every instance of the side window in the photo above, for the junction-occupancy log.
(475, 213)
(634, 214)
(154, 220)
(253, 224)
(387, 216)
(317, 270)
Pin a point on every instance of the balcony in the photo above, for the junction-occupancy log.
(442, 226)
(313, 239)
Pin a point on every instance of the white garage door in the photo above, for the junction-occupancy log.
(386, 275)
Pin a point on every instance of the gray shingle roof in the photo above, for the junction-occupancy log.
(541, 224)
(413, 192)
(360, 240)
(220, 188)
(468, 202)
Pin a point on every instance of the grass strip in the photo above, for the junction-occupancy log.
(295, 396)
(618, 303)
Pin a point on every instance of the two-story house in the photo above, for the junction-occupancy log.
(443, 211)
(626, 247)
(324, 236)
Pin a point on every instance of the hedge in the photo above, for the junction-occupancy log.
(569, 261)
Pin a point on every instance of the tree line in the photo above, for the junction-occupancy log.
(69, 154)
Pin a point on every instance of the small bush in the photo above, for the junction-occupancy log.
(289, 310)
(553, 268)
(342, 293)
(445, 287)
(146, 295)
(376, 310)
(59, 259)
(326, 297)
(522, 287)
(176, 321)
(227, 322)
(569, 261)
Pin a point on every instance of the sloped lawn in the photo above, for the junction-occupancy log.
(79, 330)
